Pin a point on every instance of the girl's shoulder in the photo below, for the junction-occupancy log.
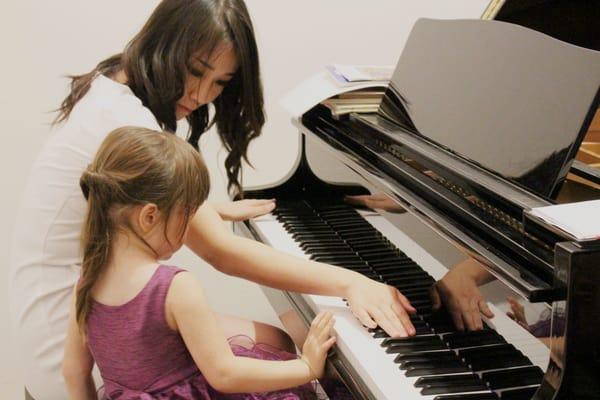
(183, 283)
(184, 296)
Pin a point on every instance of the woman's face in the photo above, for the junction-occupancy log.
(207, 79)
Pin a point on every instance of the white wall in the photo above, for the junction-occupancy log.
(41, 41)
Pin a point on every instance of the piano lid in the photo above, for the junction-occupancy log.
(572, 21)
(507, 98)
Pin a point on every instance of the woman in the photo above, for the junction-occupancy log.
(189, 54)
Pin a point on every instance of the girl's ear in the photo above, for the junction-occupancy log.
(148, 217)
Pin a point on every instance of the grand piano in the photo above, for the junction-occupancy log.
(480, 124)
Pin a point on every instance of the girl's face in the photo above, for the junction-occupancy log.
(207, 79)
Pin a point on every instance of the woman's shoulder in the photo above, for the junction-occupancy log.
(118, 102)
(110, 104)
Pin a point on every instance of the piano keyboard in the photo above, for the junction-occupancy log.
(501, 362)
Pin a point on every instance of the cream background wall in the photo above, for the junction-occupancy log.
(41, 41)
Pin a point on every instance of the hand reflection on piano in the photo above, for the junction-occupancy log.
(458, 291)
(377, 201)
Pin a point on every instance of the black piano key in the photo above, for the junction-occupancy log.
(408, 277)
(359, 264)
(473, 338)
(417, 296)
(381, 254)
(411, 285)
(440, 322)
(354, 233)
(380, 334)
(337, 259)
(301, 237)
(348, 228)
(315, 254)
(518, 394)
(441, 370)
(420, 281)
(342, 222)
(512, 378)
(410, 348)
(400, 272)
(434, 367)
(411, 340)
(499, 361)
(378, 245)
(454, 388)
(283, 218)
(338, 250)
(470, 396)
(488, 351)
(319, 246)
(312, 225)
(306, 243)
(434, 355)
(447, 380)
(417, 291)
(391, 264)
(334, 251)
(359, 234)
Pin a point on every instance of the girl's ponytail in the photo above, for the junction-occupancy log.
(96, 238)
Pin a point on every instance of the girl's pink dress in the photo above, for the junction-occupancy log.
(141, 358)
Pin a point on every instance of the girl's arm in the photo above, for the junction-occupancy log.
(78, 362)
(373, 303)
(187, 307)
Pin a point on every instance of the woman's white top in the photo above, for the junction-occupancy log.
(45, 257)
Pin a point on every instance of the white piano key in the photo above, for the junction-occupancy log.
(365, 353)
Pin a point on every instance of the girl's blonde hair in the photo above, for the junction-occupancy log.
(134, 166)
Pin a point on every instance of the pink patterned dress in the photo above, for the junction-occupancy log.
(141, 358)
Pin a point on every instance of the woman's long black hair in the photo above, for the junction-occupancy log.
(157, 60)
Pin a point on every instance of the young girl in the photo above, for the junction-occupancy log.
(147, 325)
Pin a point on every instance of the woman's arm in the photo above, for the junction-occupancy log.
(372, 302)
(187, 307)
(78, 362)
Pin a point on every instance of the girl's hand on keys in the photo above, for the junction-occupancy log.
(318, 342)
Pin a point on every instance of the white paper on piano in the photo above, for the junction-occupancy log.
(318, 88)
(349, 74)
(581, 220)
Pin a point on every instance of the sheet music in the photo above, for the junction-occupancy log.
(581, 220)
(318, 88)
